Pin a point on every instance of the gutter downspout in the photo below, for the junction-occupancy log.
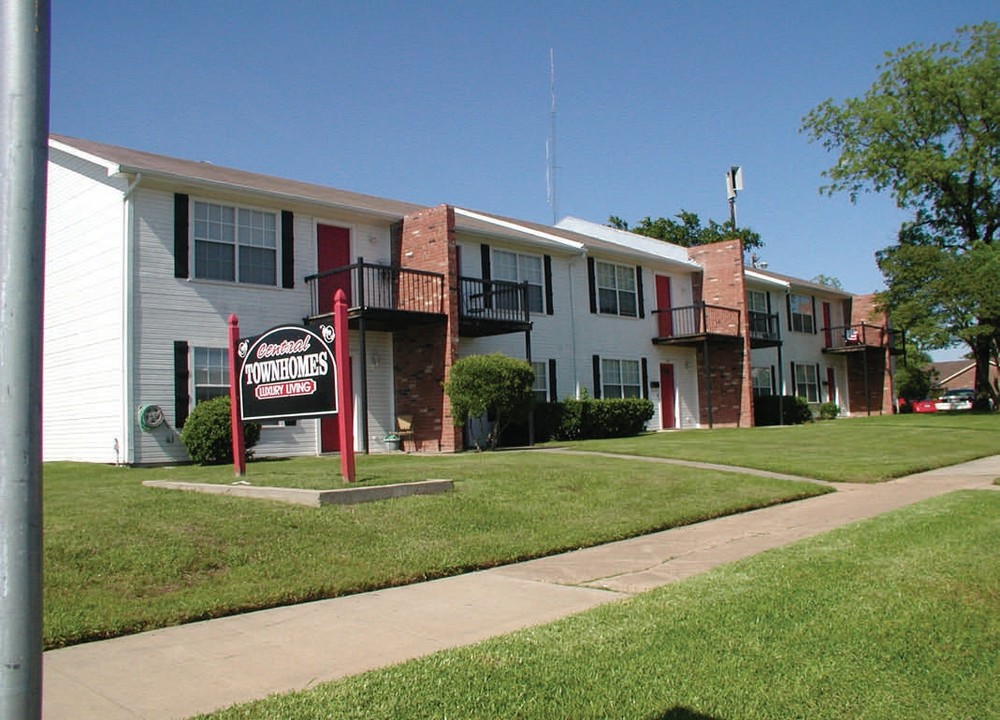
(128, 350)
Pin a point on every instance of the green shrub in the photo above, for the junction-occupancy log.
(767, 410)
(494, 386)
(587, 418)
(207, 434)
(829, 411)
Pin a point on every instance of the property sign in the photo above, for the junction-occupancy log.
(288, 372)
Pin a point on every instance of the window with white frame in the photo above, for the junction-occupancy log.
(211, 373)
(620, 379)
(518, 268)
(616, 289)
(235, 244)
(807, 382)
(541, 385)
(762, 384)
(800, 308)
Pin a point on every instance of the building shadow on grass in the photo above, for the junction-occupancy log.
(682, 713)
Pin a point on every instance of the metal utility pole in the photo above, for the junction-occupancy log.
(24, 128)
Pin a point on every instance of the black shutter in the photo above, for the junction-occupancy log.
(597, 377)
(815, 329)
(638, 289)
(484, 254)
(592, 279)
(182, 397)
(287, 249)
(645, 379)
(774, 382)
(553, 392)
(181, 236)
(792, 387)
(788, 309)
(549, 310)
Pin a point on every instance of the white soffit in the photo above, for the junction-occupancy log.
(519, 228)
(766, 279)
(111, 167)
(632, 241)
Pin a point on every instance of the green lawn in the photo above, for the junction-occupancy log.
(891, 619)
(120, 557)
(864, 449)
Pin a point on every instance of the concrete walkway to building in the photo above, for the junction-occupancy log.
(180, 671)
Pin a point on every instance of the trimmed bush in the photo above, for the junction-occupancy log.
(494, 386)
(583, 420)
(767, 408)
(208, 435)
(829, 411)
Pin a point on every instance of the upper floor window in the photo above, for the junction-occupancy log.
(518, 268)
(616, 290)
(800, 314)
(620, 379)
(235, 244)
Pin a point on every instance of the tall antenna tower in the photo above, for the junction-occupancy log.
(550, 144)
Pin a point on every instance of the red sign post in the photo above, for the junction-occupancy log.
(278, 369)
(236, 422)
(344, 386)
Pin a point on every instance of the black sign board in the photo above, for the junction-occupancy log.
(288, 372)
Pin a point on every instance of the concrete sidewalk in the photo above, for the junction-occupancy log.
(180, 671)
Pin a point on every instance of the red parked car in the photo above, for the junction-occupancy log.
(923, 406)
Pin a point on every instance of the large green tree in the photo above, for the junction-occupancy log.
(928, 133)
(687, 231)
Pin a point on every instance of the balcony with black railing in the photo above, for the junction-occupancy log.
(697, 323)
(492, 307)
(765, 329)
(387, 296)
(860, 337)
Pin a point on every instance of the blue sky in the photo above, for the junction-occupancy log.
(435, 102)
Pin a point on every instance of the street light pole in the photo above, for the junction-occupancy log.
(24, 127)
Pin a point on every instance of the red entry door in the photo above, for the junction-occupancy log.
(831, 386)
(333, 250)
(665, 319)
(667, 417)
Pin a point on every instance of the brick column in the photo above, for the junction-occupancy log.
(722, 283)
(424, 354)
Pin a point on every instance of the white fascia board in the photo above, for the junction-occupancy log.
(766, 279)
(674, 254)
(555, 239)
(112, 168)
(291, 198)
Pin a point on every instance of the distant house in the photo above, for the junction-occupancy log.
(148, 255)
(956, 374)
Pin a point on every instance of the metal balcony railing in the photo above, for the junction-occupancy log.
(697, 320)
(863, 335)
(377, 287)
(764, 327)
(493, 300)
